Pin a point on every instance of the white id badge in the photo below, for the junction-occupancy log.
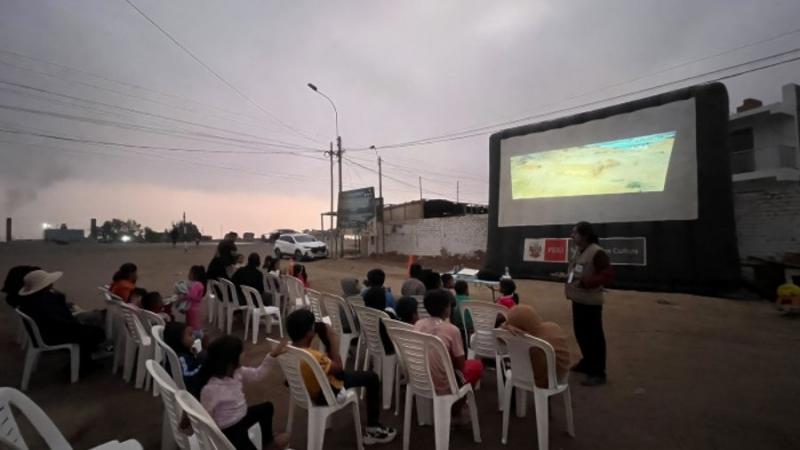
(571, 276)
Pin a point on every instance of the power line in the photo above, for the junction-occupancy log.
(481, 131)
(397, 180)
(218, 76)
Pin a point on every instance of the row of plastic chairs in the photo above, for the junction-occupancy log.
(222, 299)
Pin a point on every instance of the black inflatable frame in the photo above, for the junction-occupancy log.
(698, 256)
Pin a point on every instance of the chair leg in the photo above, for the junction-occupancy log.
(130, 360)
(407, 418)
(74, 363)
(498, 370)
(388, 372)
(441, 423)
(542, 420)
(229, 321)
(568, 411)
(167, 439)
(140, 369)
(31, 356)
(357, 422)
(290, 416)
(473, 415)
(316, 429)
(522, 402)
(397, 389)
(247, 318)
(280, 325)
(424, 411)
(507, 391)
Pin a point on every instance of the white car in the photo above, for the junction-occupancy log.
(301, 246)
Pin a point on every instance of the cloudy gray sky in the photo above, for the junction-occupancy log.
(101, 115)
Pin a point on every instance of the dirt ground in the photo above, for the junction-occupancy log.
(684, 371)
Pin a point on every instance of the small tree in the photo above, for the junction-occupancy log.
(191, 234)
(113, 230)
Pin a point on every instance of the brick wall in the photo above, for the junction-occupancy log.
(462, 235)
(768, 221)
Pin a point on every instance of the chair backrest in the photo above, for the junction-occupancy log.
(339, 312)
(519, 347)
(370, 320)
(291, 363)
(229, 292)
(213, 289)
(416, 351)
(133, 324)
(172, 357)
(150, 319)
(315, 301)
(356, 300)
(252, 297)
(295, 292)
(168, 389)
(421, 311)
(209, 436)
(31, 330)
(484, 317)
(272, 284)
(9, 430)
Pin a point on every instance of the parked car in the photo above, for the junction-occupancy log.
(301, 246)
(274, 235)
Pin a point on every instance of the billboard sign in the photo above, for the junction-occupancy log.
(622, 251)
(356, 208)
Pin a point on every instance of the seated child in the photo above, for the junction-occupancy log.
(509, 298)
(136, 296)
(407, 310)
(302, 329)
(181, 339)
(223, 394)
(462, 294)
(153, 302)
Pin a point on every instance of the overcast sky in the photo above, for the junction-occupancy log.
(398, 71)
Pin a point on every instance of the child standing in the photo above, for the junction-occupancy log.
(192, 298)
(224, 399)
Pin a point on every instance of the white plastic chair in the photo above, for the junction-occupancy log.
(417, 350)
(295, 294)
(314, 300)
(109, 316)
(207, 433)
(171, 357)
(36, 345)
(421, 311)
(482, 343)
(339, 313)
(402, 373)
(211, 300)
(171, 434)
(357, 300)
(291, 363)
(231, 298)
(258, 311)
(138, 345)
(521, 376)
(11, 435)
(384, 365)
(218, 294)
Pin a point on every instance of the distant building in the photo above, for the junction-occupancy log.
(765, 161)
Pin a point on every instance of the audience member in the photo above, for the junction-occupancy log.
(432, 281)
(375, 279)
(14, 282)
(191, 299)
(224, 261)
(48, 308)
(137, 294)
(350, 287)
(302, 329)
(462, 294)
(223, 395)
(510, 298)
(272, 265)
(154, 302)
(179, 337)
(414, 284)
(448, 282)
(124, 281)
(407, 309)
(374, 298)
(299, 272)
(249, 275)
(525, 319)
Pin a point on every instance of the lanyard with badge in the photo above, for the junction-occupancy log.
(577, 270)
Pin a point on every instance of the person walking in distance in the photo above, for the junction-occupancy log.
(589, 271)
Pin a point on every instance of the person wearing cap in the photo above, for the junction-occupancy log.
(525, 319)
(48, 308)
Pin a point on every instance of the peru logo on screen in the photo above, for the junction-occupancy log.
(546, 250)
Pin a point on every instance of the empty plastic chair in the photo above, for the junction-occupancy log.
(482, 343)
(291, 362)
(522, 378)
(232, 305)
(314, 299)
(340, 313)
(138, 346)
(295, 294)
(418, 350)
(218, 294)
(36, 346)
(384, 365)
(11, 435)
(257, 311)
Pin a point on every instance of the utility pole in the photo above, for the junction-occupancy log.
(330, 211)
(380, 178)
(339, 153)
(420, 188)
(458, 191)
(185, 249)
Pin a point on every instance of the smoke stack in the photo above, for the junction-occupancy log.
(8, 229)
(93, 229)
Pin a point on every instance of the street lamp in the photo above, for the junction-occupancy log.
(314, 88)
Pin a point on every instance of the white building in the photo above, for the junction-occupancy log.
(765, 160)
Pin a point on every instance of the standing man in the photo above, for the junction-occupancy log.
(589, 271)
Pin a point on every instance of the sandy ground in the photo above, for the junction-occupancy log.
(684, 371)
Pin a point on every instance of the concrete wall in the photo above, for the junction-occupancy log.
(406, 211)
(60, 235)
(768, 221)
(460, 235)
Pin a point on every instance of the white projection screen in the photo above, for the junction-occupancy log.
(635, 167)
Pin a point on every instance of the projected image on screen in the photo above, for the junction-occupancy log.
(630, 165)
